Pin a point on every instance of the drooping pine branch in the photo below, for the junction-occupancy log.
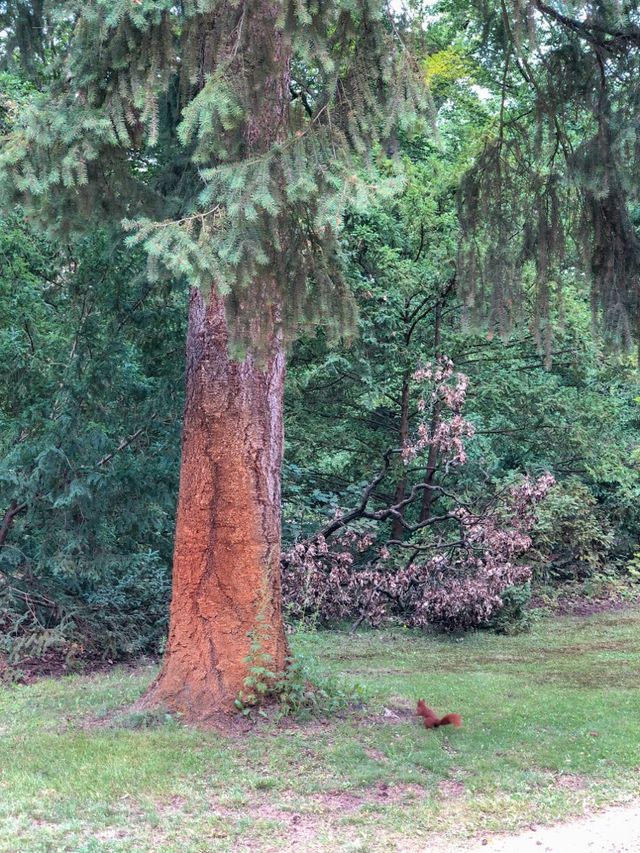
(555, 187)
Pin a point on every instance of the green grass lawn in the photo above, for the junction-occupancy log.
(551, 727)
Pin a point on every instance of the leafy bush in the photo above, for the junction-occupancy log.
(515, 615)
(298, 691)
(572, 539)
(633, 567)
(463, 586)
(90, 405)
(117, 609)
(466, 553)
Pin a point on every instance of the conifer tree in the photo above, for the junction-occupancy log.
(556, 184)
(226, 134)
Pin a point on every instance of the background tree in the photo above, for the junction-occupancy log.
(577, 417)
(555, 184)
(85, 543)
(90, 415)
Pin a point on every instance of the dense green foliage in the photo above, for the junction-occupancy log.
(153, 112)
(577, 417)
(90, 409)
(96, 362)
(518, 206)
(555, 186)
(570, 407)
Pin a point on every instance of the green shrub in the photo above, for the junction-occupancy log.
(515, 616)
(298, 691)
(572, 539)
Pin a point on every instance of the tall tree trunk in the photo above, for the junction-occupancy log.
(226, 566)
(226, 569)
(432, 459)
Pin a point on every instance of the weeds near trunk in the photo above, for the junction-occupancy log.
(297, 691)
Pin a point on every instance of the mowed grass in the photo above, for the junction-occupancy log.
(551, 728)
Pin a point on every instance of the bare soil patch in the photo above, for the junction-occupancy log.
(572, 782)
(450, 789)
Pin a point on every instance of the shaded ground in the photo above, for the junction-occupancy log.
(55, 663)
(578, 604)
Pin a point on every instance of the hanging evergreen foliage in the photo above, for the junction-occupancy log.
(153, 116)
(556, 183)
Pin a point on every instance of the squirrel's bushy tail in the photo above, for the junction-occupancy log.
(432, 721)
(451, 720)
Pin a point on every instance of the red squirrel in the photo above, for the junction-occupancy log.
(431, 721)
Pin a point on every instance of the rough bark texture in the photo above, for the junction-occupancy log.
(226, 570)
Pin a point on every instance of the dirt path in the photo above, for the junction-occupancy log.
(615, 830)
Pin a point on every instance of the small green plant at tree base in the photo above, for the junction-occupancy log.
(261, 678)
(296, 691)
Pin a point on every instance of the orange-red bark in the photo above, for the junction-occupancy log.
(226, 571)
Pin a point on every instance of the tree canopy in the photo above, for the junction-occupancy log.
(555, 186)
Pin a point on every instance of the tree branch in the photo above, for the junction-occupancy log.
(123, 444)
(5, 526)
